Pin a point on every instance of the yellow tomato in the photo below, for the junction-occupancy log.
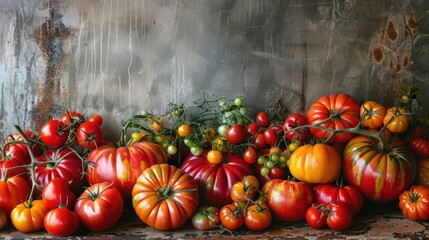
(28, 217)
(396, 120)
(320, 163)
(372, 114)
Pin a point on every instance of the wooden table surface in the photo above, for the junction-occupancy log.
(384, 221)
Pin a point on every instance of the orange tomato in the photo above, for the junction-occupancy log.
(184, 130)
(28, 216)
(372, 114)
(214, 157)
(396, 120)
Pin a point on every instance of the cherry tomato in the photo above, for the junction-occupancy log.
(71, 117)
(231, 216)
(293, 121)
(54, 133)
(196, 150)
(222, 130)
(206, 218)
(340, 216)
(270, 136)
(61, 222)
(238, 101)
(252, 129)
(58, 193)
(97, 119)
(235, 134)
(184, 130)
(89, 135)
(316, 216)
(171, 149)
(214, 157)
(257, 217)
(250, 155)
(263, 119)
(259, 141)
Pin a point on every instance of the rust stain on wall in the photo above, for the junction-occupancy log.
(391, 31)
(50, 37)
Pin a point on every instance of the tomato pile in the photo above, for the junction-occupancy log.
(214, 165)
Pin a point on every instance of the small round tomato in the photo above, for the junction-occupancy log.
(184, 130)
(89, 135)
(270, 136)
(396, 119)
(71, 117)
(171, 149)
(61, 222)
(293, 121)
(252, 129)
(257, 217)
(28, 216)
(372, 114)
(214, 157)
(250, 155)
(259, 141)
(262, 119)
(97, 118)
(58, 193)
(235, 134)
(245, 189)
(54, 133)
(196, 150)
(316, 216)
(231, 217)
(3, 218)
(340, 216)
(206, 218)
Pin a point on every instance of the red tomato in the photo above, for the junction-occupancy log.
(54, 133)
(60, 163)
(98, 119)
(252, 129)
(13, 145)
(71, 117)
(89, 135)
(288, 200)
(257, 217)
(259, 141)
(13, 191)
(336, 112)
(339, 216)
(165, 197)
(275, 173)
(262, 119)
(316, 216)
(420, 146)
(270, 136)
(122, 166)
(293, 121)
(206, 218)
(231, 217)
(99, 207)
(215, 181)
(250, 155)
(57, 193)
(235, 134)
(349, 195)
(61, 222)
(14, 164)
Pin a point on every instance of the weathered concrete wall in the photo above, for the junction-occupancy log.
(117, 57)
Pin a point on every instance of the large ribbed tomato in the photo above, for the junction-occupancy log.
(288, 200)
(381, 173)
(165, 197)
(349, 195)
(320, 163)
(216, 180)
(122, 166)
(335, 111)
(420, 146)
(13, 191)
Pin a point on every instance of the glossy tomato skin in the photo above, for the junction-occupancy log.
(270, 136)
(13, 191)
(58, 193)
(275, 173)
(235, 134)
(89, 135)
(340, 217)
(231, 216)
(320, 163)
(14, 164)
(28, 217)
(97, 118)
(215, 181)
(122, 166)
(420, 146)
(262, 119)
(64, 163)
(414, 203)
(315, 216)
(336, 111)
(72, 116)
(54, 133)
(349, 195)
(372, 114)
(252, 129)
(10, 149)
(288, 200)
(363, 160)
(61, 222)
(165, 197)
(99, 207)
(206, 218)
(257, 218)
(397, 119)
(293, 121)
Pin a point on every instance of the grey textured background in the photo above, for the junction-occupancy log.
(117, 58)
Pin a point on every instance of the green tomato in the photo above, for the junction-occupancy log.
(188, 142)
(159, 138)
(261, 160)
(265, 171)
(171, 149)
(196, 150)
(238, 101)
(244, 110)
(222, 130)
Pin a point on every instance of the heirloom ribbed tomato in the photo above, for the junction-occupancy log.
(335, 111)
(13, 191)
(216, 180)
(165, 197)
(349, 195)
(381, 173)
(122, 166)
